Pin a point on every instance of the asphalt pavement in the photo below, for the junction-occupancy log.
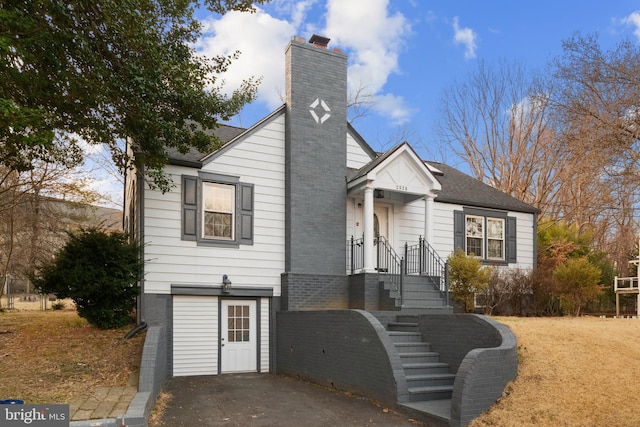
(261, 400)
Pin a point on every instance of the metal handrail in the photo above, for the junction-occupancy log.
(389, 262)
(355, 255)
(422, 258)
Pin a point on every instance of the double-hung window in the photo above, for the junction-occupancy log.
(488, 235)
(217, 210)
(495, 238)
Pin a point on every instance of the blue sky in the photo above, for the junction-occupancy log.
(407, 52)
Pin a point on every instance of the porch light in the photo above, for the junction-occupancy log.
(378, 194)
(226, 284)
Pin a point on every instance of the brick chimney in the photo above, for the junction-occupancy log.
(316, 129)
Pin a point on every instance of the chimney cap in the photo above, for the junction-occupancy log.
(319, 40)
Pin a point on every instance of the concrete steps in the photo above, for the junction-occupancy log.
(418, 292)
(427, 377)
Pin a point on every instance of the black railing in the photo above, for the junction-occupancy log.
(355, 255)
(423, 259)
(420, 258)
(389, 263)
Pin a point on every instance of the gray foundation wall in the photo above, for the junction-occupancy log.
(347, 350)
(158, 311)
(364, 291)
(314, 292)
(482, 351)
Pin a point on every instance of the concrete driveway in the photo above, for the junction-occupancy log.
(268, 400)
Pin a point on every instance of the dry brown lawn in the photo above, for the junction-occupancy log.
(572, 372)
(55, 356)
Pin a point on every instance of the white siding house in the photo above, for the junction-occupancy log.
(265, 224)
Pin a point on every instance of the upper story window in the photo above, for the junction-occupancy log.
(217, 210)
(488, 235)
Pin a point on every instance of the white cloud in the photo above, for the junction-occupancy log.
(373, 38)
(466, 37)
(393, 107)
(633, 20)
(366, 30)
(261, 39)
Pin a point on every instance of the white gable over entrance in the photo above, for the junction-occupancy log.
(397, 175)
(399, 170)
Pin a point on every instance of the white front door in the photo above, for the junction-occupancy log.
(238, 337)
(381, 227)
(381, 221)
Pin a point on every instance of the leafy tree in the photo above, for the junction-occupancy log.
(557, 242)
(467, 277)
(578, 282)
(106, 70)
(99, 271)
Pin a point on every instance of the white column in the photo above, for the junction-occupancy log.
(428, 218)
(367, 229)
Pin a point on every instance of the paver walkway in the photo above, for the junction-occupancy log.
(104, 402)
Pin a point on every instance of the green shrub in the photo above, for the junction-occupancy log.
(467, 277)
(99, 271)
(578, 283)
(58, 305)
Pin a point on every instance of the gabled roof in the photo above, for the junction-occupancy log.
(227, 134)
(400, 164)
(462, 189)
(457, 187)
(194, 158)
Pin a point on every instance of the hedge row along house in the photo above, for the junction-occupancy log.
(298, 249)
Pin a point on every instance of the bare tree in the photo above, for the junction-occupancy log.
(360, 100)
(597, 104)
(502, 128)
(37, 207)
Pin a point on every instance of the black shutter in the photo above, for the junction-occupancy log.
(189, 207)
(511, 240)
(245, 214)
(458, 230)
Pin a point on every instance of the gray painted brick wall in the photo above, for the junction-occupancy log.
(342, 349)
(364, 291)
(316, 158)
(158, 311)
(314, 291)
(482, 353)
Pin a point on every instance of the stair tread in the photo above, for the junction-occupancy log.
(416, 354)
(424, 364)
(429, 376)
(403, 324)
(411, 344)
(431, 388)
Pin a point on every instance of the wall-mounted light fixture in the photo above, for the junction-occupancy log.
(226, 284)
(378, 194)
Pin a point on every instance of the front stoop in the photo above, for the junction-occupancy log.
(429, 381)
(418, 293)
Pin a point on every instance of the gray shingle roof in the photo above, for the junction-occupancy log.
(460, 188)
(457, 187)
(193, 157)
